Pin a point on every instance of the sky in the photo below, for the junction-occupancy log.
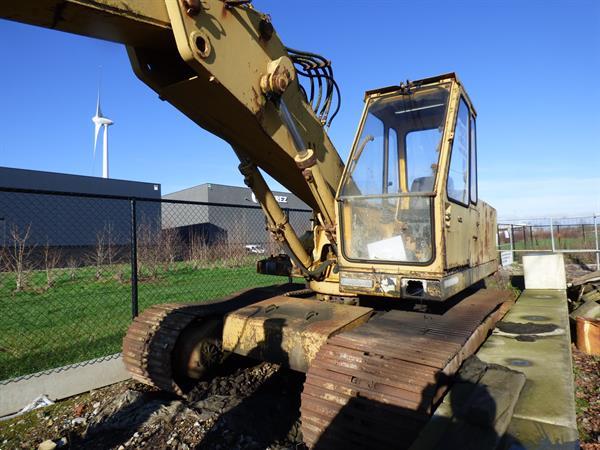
(531, 69)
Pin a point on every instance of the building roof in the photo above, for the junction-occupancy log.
(61, 182)
(231, 195)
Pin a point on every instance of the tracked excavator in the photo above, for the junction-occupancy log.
(388, 309)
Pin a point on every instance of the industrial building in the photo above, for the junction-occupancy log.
(73, 212)
(228, 213)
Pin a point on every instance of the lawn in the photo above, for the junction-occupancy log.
(82, 316)
(565, 243)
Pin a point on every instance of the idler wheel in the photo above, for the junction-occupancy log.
(198, 350)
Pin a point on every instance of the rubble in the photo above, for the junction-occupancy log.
(246, 406)
(47, 445)
(587, 398)
(252, 406)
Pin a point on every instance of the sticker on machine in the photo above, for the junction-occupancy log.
(452, 281)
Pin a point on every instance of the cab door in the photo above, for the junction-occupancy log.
(458, 212)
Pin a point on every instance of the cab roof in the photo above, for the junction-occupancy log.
(421, 82)
(429, 80)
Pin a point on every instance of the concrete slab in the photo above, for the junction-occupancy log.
(474, 414)
(545, 411)
(544, 271)
(61, 383)
(540, 306)
(532, 434)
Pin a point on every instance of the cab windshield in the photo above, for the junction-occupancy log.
(388, 188)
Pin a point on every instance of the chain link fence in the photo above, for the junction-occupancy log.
(75, 268)
(578, 238)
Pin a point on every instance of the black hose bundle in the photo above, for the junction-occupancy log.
(319, 72)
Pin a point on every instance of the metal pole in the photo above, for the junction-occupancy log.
(498, 236)
(552, 235)
(287, 214)
(512, 240)
(597, 243)
(134, 274)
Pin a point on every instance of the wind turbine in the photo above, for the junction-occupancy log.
(101, 121)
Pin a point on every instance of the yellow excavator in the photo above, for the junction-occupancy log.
(400, 236)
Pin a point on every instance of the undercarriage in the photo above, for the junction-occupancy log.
(373, 377)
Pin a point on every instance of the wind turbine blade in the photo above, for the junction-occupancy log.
(96, 132)
(98, 103)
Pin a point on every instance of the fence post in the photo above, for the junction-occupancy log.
(287, 213)
(134, 274)
(597, 243)
(533, 244)
(552, 235)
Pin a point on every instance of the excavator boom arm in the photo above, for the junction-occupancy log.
(135, 23)
(221, 63)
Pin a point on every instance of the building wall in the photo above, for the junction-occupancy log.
(241, 225)
(70, 220)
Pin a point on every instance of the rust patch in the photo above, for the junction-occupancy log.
(288, 330)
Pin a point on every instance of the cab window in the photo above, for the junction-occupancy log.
(458, 174)
(388, 186)
(473, 163)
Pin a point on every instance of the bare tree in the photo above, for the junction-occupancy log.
(51, 260)
(99, 254)
(72, 265)
(149, 249)
(170, 245)
(16, 255)
(198, 251)
(112, 249)
(105, 251)
(231, 248)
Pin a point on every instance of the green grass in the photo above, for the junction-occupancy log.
(564, 243)
(81, 317)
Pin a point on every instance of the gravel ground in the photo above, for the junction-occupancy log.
(587, 398)
(247, 407)
(255, 407)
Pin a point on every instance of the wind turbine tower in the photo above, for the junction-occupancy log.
(99, 122)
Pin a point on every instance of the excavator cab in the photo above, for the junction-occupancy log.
(412, 168)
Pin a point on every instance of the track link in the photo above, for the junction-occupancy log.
(376, 386)
(151, 338)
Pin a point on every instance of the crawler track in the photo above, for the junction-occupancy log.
(151, 338)
(375, 386)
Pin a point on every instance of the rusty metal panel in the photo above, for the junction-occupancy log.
(288, 330)
(487, 238)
